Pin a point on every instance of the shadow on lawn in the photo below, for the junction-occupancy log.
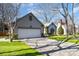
(25, 54)
(41, 53)
(45, 52)
(31, 54)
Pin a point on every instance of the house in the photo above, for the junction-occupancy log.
(63, 24)
(29, 26)
(77, 29)
(3, 28)
(51, 29)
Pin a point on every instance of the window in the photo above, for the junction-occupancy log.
(30, 18)
(5, 27)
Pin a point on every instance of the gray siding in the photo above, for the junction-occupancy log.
(24, 22)
(53, 27)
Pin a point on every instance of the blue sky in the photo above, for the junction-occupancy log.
(33, 7)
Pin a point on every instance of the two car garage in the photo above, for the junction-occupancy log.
(29, 26)
(29, 33)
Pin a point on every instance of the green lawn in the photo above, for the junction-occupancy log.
(60, 38)
(17, 48)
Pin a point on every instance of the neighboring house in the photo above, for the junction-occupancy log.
(77, 29)
(3, 28)
(51, 29)
(63, 24)
(29, 26)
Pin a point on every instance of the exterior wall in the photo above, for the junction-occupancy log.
(70, 29)
(50, 27)
(3, 29)
(64, 27)
(77, 29)
(26, 23)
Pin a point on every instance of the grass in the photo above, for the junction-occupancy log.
(60, 38)
(17, 49)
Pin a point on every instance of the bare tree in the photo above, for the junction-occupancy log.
(65, 15)
(9, 13)
(2, 15)
(47, 13)
(72, 19)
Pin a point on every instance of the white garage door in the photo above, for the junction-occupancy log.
(29, 33)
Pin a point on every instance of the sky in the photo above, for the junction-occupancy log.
(38, 12)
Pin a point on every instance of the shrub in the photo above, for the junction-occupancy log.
(60, 31)
(15, 36)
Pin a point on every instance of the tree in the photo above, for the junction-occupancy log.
(63, 10)
(65, 15)
(72, 19)
(47, 13)
(9, 13)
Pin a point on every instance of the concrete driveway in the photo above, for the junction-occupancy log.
(49, 48)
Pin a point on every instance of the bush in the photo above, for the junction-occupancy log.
(60, 31)
(15, 36)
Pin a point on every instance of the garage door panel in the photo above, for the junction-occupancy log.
(29, 33)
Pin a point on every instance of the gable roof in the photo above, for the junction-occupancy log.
(32, 15)
(52, 24)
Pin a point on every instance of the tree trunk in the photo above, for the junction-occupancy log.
(11, 33)
(67, 28)
(74, 32)
(11, 40)
(73, 20)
